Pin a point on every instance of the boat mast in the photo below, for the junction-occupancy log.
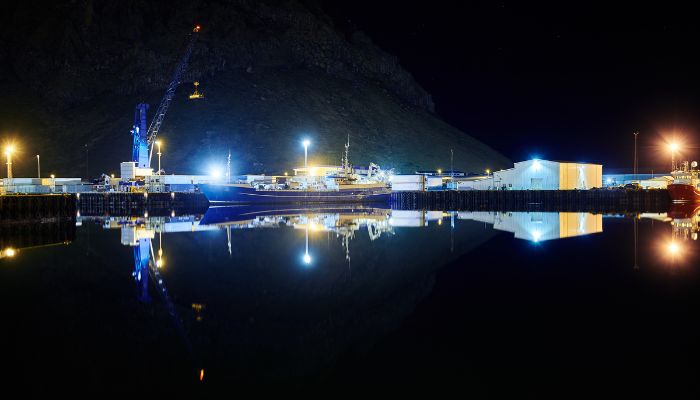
(346, 163)
(228, 167)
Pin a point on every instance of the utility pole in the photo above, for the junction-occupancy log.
(38, 167)
(635, 154)
(452, 166)
(87, 162)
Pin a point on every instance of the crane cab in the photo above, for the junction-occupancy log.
(197, 94)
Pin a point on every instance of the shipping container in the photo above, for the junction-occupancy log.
(407, 187)
(407, 179)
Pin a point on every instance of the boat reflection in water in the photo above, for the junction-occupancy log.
(342, 220)
(685, 220)
(251, 283)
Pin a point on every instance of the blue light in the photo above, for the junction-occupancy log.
(215, 172)
(307, 259)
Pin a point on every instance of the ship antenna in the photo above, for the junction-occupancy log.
(228, 167)
(346, 162)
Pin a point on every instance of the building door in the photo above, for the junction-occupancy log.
(536, 183)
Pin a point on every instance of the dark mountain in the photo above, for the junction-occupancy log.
(272, 72)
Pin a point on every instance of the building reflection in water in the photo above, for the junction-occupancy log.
(346, 222)
(532, 226)
(145, 235)
(540, 226)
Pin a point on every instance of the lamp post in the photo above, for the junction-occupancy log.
(674, 148)
(8, 152)
(306, 144)
(38, 167)
(635, 155)
(87, 162)
(53, 183)
(158, 143)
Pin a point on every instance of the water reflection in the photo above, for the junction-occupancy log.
(540, 226)
(343, 221)
(685, 220)
(231, 280)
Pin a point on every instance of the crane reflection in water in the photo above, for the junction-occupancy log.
(146, 235)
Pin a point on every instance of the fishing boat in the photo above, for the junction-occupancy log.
(333, 184)
(685, 183)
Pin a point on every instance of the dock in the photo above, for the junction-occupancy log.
(36, 208)
(156, 204)
(594, 200)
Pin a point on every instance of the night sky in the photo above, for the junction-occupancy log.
(562, 81)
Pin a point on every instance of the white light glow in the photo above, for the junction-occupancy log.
(215, 172)
(307, 259)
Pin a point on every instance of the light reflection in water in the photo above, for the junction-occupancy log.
(145, 236)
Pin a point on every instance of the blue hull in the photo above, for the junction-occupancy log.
(233, 194)
(244, 212)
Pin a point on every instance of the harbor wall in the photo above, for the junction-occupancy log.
(598, 200)
(156, 204)
(39, 208)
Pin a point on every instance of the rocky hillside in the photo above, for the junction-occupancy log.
(273, 72)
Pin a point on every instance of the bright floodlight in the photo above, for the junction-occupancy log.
(307, 259)
(306, 142)
(674, 146)
(215, 173)
(9, 149)
(673, 248)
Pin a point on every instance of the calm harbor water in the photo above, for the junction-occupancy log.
(490, 303)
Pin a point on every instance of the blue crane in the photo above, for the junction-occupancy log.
(144, 139)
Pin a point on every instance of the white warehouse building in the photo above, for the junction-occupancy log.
(541, 175)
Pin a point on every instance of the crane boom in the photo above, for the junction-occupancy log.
(144, 141)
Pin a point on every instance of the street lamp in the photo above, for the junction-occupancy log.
(38, 167)
(306, 144)
(8, 152)
(674, 147)
(53, 183)
(158, 143)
